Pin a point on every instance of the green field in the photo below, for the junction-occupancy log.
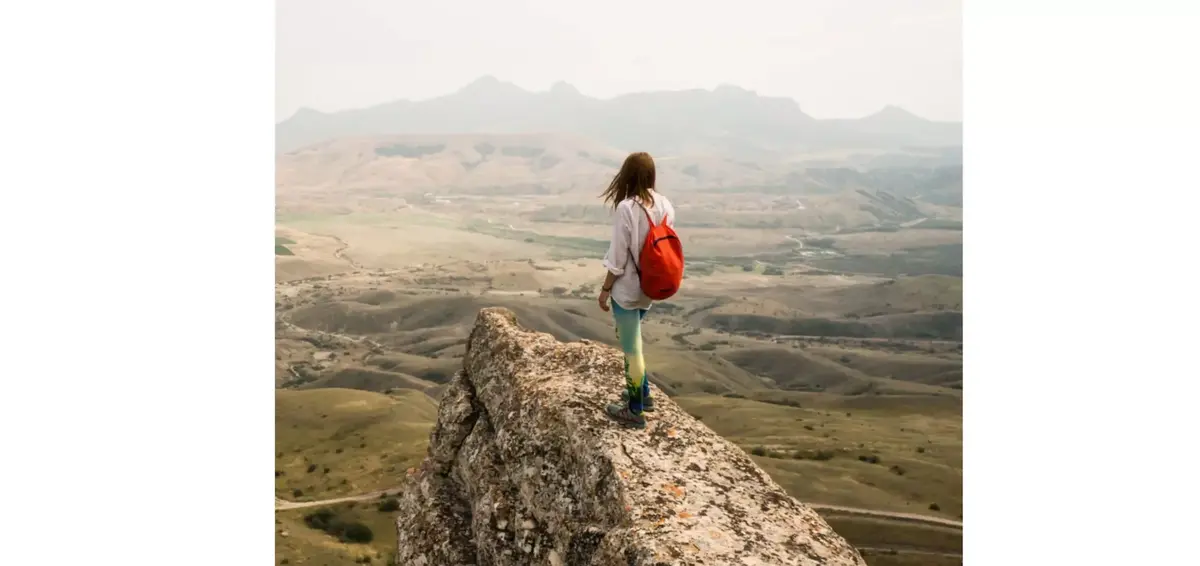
(332, 442)
(876, 533)
(566, 246)
(883, 456)
(307, 545)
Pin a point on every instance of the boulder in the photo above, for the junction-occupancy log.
(524, 467)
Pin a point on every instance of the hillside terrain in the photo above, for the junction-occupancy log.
(336, 441)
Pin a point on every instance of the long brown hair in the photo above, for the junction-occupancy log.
(635, 178)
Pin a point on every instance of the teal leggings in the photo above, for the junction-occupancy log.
(629, 334)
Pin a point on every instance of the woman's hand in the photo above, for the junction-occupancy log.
(606, 289)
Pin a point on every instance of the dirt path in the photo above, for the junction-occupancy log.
(340, 253)
(284, 505)
(889, 515)
(344, 337)
(906, 550)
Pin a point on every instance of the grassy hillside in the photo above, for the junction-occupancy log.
(889, 457)
(912, 326)
(422, 314)
(332, 442)
(436, 370)
(872, 532)
(796, 369)
(945, 372)
(368, 380)
(304, 544)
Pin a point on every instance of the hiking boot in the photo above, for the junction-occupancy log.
(647, 402)
(622, 414)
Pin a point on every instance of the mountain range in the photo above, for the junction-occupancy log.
(727, 120)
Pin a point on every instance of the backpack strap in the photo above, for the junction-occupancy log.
(647, 212)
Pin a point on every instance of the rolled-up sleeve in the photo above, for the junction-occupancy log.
(618, 246)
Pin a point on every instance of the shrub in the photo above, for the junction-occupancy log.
(934, 507)
(920, 450)
(389, 505)
(328, 521)
(870, 459)
(278, 473)
(297, 493)
(357, 533)
(325, 471)
(784, 402)
(895, 469)
(808, 427)
(322, 520)
(820, 455)
(312, 468)
(758, 451)
(338, 451)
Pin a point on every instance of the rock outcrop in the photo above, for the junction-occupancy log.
(524, 467)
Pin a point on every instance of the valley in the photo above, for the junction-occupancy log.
(819, 325)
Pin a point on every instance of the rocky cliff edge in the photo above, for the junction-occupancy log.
(524, 467)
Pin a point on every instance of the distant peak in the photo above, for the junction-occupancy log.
(893, 113)
(485, 80)
(734, 90)
(563, 88)
(490, 84)
(304, 113)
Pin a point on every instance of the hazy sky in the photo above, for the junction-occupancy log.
(837, 58)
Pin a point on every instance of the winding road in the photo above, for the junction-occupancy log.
(889, 515)
(285, 505)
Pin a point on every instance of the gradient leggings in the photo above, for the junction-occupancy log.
(629, 334)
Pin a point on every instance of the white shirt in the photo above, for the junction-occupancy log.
(629, 233)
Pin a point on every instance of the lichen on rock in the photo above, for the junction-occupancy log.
(524, 467)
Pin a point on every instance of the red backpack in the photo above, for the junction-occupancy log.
(661, 261)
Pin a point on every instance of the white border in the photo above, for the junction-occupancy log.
(137, 180)
(1080, 121)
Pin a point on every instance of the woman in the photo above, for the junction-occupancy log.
(635, 204)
